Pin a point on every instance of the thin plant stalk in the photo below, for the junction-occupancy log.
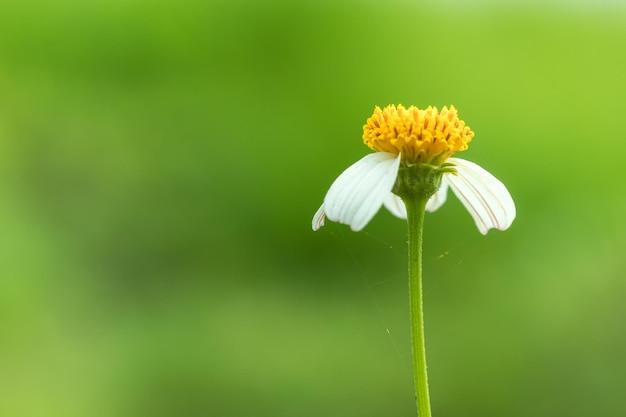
(416, 208)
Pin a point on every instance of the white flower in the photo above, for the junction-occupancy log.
(418, 141)
(359, 192)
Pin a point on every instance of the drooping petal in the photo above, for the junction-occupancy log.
(357, 194)
(439, 197)
(483, 195)
(318, 218)
(395, 205)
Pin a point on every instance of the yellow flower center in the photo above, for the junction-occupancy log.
(421, 136)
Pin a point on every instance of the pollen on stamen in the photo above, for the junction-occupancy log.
(421, 136)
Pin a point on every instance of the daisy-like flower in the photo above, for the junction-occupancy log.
(413, 158)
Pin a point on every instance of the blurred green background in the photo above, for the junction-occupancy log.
(160, 162)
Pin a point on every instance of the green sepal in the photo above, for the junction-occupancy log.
(420, 180)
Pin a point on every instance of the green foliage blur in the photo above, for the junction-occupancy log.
(160, 163)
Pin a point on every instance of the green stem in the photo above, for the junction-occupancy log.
(415, 208)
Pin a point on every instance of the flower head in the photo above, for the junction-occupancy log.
(420, 136)
(413, 159)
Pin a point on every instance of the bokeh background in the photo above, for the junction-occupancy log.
(160, 162)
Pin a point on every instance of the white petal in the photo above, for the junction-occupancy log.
(318, 219)
(483, 195)
(395, 205)
(357, 194)
(439, 197)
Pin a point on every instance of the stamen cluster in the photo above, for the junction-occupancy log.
(421, 136)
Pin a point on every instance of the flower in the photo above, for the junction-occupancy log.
(413, 158)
